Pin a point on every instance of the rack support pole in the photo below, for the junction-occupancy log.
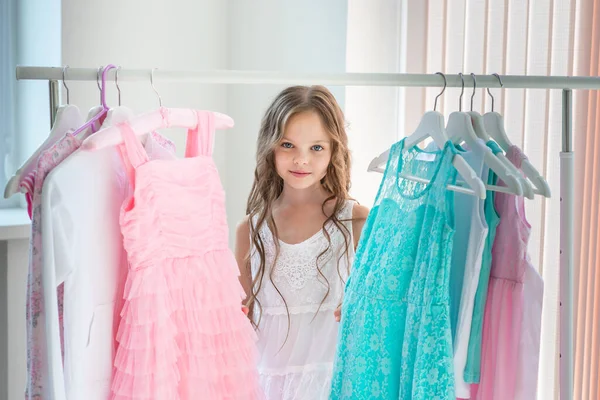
(53, 90)
(567, 164)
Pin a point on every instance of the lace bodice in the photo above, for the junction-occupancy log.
(296, 272)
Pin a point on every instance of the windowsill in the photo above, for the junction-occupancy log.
(14, 224)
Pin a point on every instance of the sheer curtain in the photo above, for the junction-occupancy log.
(587, 187)
(510, 37)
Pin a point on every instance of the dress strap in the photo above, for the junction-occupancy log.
(200, 139)
(448, 171)
(346, 210)
(134, 150)
(346, 217)
(516, 156)
(494, 147)
(131, 150)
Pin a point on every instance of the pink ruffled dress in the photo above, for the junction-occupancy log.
(182, 334)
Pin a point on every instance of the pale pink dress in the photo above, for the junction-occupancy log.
(182, 334)
(512, 320)
(36, 323)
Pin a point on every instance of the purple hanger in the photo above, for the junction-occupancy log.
(102, 100)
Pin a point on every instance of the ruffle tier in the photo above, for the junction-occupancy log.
(183, 334)
(306, 382)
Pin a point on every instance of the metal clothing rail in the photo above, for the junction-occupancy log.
(567, 84)
(290, 78)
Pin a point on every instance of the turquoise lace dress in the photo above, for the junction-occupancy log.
(395, 340)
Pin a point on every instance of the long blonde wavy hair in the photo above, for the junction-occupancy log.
(268, 185)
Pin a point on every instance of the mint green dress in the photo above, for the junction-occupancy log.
(473, 366)
(395, 340)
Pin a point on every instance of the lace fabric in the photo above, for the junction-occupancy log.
(395, 337)
(296, 274)
(296, 353)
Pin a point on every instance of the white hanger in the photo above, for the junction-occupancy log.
(479, 127)
(480, 131)
(460, 128)
(68, 117)
(153, 121)
(432, 125)
(494, 125)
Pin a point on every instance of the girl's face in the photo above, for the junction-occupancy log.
(303, 154)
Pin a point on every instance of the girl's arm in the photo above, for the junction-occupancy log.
(359, 216)
(242, 256)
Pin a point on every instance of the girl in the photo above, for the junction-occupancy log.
(296, 244)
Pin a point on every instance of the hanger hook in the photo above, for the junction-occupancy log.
(103, 89)
(442, 92)
(461, 92)
(474, 88)
(98, 77)
(154, 88)
(98, 74)
(64, 81)
(117, 84)
(490, 93)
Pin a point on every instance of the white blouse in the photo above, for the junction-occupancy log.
(83, 247)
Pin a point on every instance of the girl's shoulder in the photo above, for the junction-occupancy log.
(246, 226)
(359, 217)
(242, 233)
(359, 212)
(349, 207)
(355, 210)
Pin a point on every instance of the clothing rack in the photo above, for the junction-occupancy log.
(567, 161)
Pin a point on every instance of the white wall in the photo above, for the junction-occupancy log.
(272, 35)
(375, 36)
(16, 276)
(186, 35)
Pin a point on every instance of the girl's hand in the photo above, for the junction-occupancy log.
(246, 310)
(338, 313)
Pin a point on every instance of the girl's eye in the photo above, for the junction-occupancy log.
(287, 145)
(317, 147)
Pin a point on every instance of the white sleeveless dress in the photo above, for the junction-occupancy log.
(296, 364)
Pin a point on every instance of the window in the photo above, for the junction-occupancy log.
(30, 34)
(8, 133)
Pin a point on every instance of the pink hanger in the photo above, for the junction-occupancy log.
(102, 113)
(153, 121)
(150, 122)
